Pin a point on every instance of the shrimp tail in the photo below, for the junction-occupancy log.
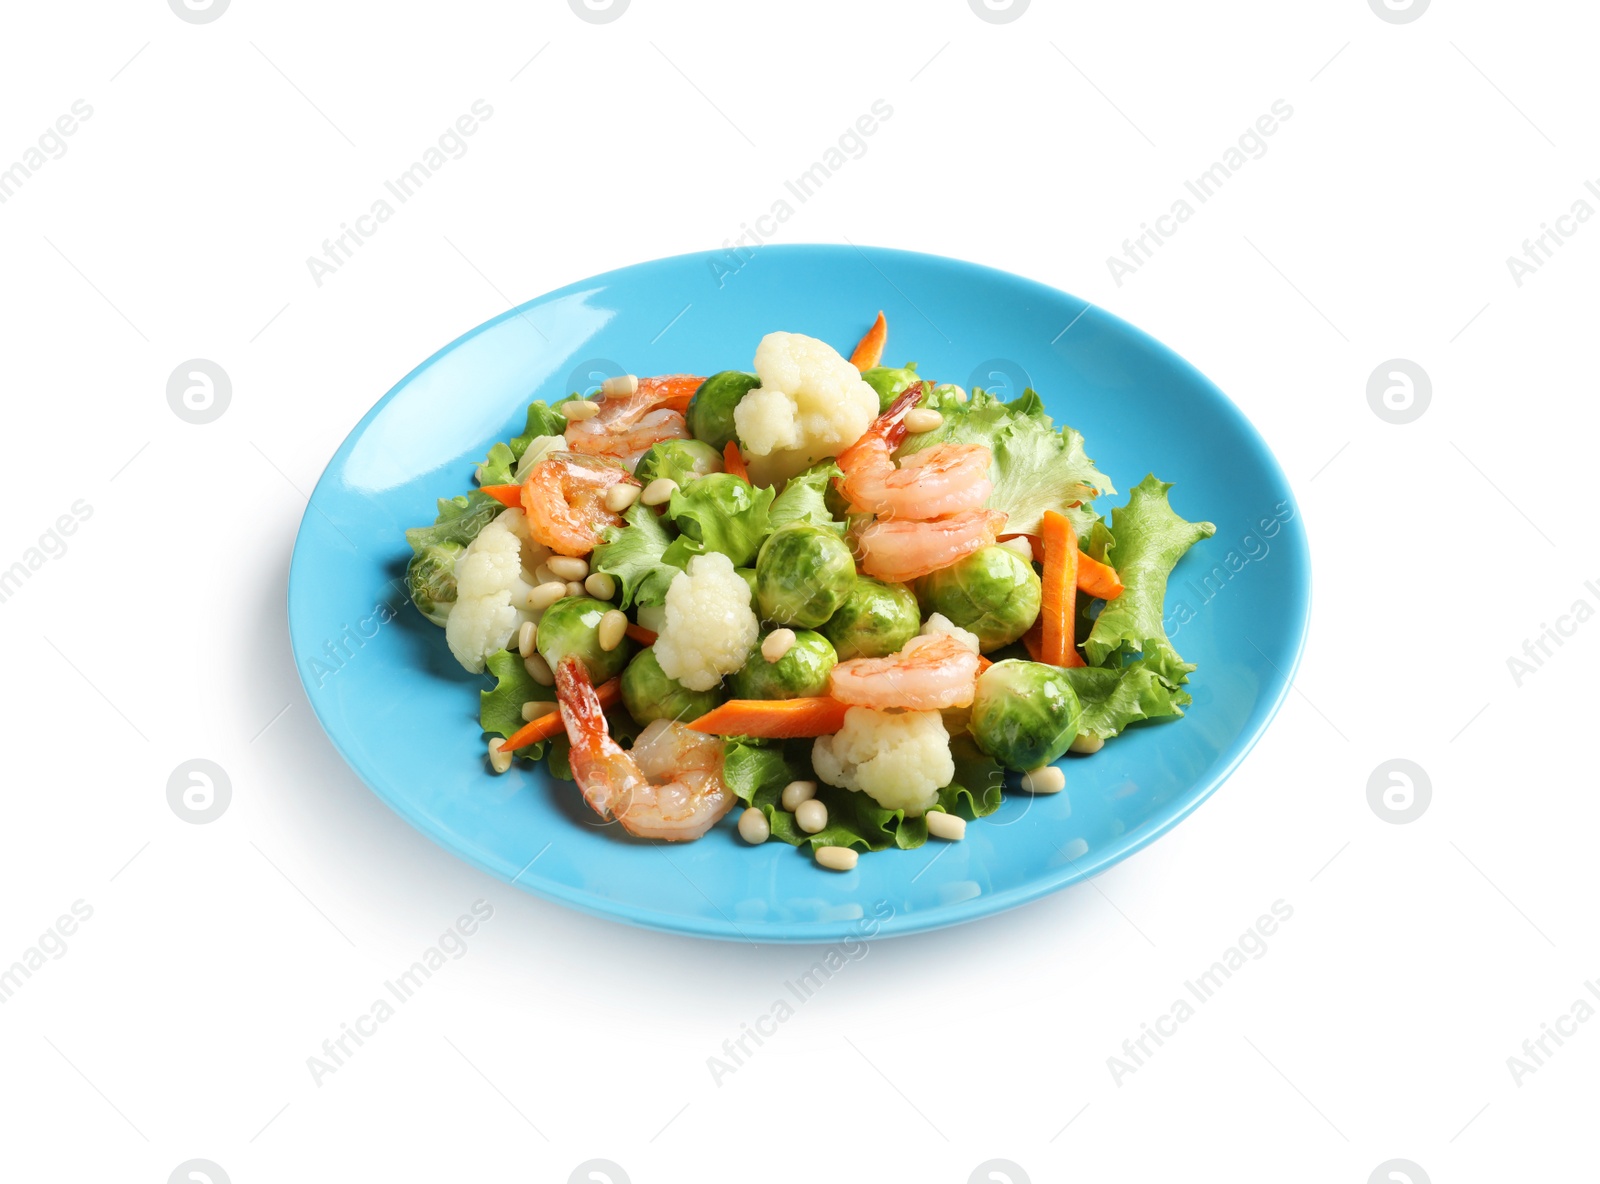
(890, 427)
(580, 705)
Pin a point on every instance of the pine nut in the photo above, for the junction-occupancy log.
(942, 825)
(1021, 546)
(923, 419)
(499, 758)
(526, 636)
(539, 670)
(574, 588)
(1048, 779)
(543, 575)
(957, 392)
(811, 816)
(600, 586)
(778, 643)
(838, 859)
(546, 594)
(577, 410)
(536, 709)
(658, 491)
(621, 495)
(612, 629)
(796, 792)
(754, 827)
(1086, 744)
(567, 567)
(625, 385)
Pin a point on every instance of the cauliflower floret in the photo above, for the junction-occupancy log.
(491, 593)
(939, 623)
(709, 626)
(901, 761)
(811, 403)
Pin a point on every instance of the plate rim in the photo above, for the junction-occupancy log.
(898, 924)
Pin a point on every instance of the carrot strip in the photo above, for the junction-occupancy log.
(1098, 579)
(869, 352)
(733, 460)
(640, 634)
(506, 495)
(1033, 640)
(983, 664)
(1057, 612)
(1095, 578)
(547, 726)
(774, 719)
(673, 390)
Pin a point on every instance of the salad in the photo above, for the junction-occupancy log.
(835, 595)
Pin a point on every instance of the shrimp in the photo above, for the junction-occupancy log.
(944, 479)
(897, 551)
(930, 673)
(564, 496)
(668, 787)
(626, 427)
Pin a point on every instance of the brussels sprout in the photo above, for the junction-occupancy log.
(1025, 714)
(801, 672)
(748, 575)
(711, 409)
(649, 694)
(993, 592)
(889, 381)
(874, 620)
(678, 460)
(431, 579)
(803, 575)
(572, 626)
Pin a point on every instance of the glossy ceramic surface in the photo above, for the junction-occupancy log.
(404, 714)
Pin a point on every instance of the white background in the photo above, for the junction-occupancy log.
(177, 225)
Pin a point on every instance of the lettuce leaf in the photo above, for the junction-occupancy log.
(758, 774)
(1035, 467)
(459, 521)
(1150, 539)
(633, 556)
(804, 499)
(500, 710)
(1115, 696)
(501, 463)
(719, 512)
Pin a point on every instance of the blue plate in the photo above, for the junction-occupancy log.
(404, 714)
